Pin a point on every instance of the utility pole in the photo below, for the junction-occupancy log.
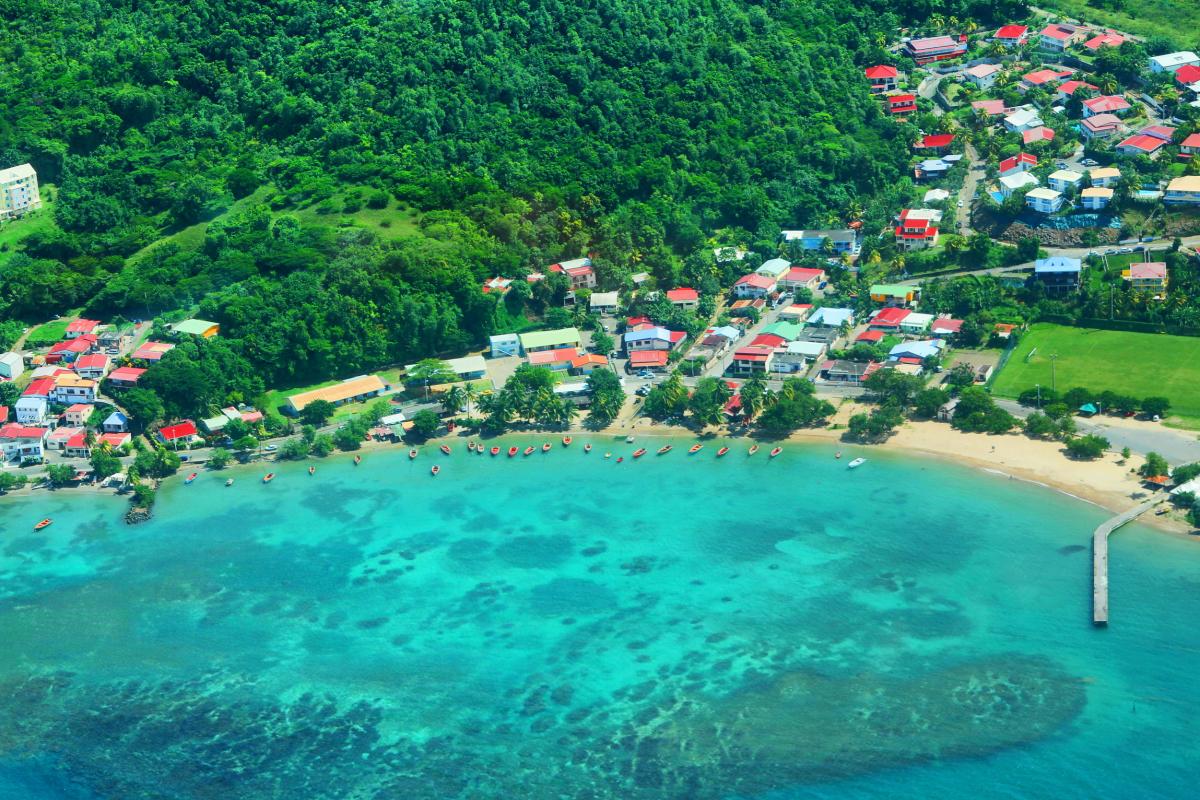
(1039, 396)
(1053, 375)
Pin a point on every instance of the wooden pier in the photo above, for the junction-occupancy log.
(1100, 557)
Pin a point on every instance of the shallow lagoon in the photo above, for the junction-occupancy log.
(564, 626)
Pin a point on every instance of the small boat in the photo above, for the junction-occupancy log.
(529, 450)
(44, 523)
(512, 451)
(190, 478)
(357, 460)
(608, 455)
(495, 450)
(622, 458)
(753, 449)
(776, 451)
(722, 451)
(838, 454)
(641, 451)
(587, 448)
(696, 448)
(858, 462)
(666, 448)
(270, 476)
(412, 453)
(628, 440)
(434, 470)
(566, 441)
(471, 446)
(312, 470)
(545, 447)
(229, 482)
(445, 449)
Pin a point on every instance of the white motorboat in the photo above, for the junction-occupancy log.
(858, 462)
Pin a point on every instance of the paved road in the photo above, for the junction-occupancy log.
(966, 195)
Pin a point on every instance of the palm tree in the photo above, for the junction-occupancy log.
(453, 399)
(470, 393)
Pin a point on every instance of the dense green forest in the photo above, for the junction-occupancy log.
(510, 134)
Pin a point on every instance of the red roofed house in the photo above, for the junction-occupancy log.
(1106, 39)
(1147, 276)
(1068, 88)
(945, 327)
(935, 48)
(115, 440)
(557, 359)
(801, 278)
(882, 78)
(898, 104)
(1058, 36)
(648, 359)
(180, 433)
(915, 231)
(632, 323)
(3, 414)
(990, 108)
(77, 414)
(1041, 77)
(1140, 145)
(41, 387)
(76, 446)
(1187, 75)
(1011, 35)
(125, 377)
(870, 337)
(754, 285)
(91, 366)
(751, 359)
(1101, 126)
(1164, 132)
(18, 442)
(1021, 162)
(70, 349)
(579, 270)
(1190, 146)
(1106, 104)
(771, 340)
(684, 297)
(937, 142)
(1035, 135)
(584, 364)
(79, 327)
(889, 319)
(497, 285)
(152, 351)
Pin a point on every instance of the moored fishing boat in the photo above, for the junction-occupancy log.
(838, 454)
(529, 450)
(666, 448)
(587, 448)
(312, 470)
(434, 470)
(696, 448)
(722, 451)
(776, 451)
(229, 482)
(641, 451)
(445, 449)
(566, 440)
(512, 451)
(357, 460)
(608, 455)
(270, 476)
(545, 447)
(412, 453)
(471, 446)
(622, 458)
(495, 450)
(629, 439)
(44, 523)
(753, 449)
(190, 478)
(858, 462)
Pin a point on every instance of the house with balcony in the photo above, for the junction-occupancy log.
(754, 286)
(901, 103)
(917, 229)
(843, 240)
(1011, 35)
(1104, 176)
(751, 359)
(1044, 200)
(882, 78)
(935, 48)
(1021, 162)
(983, 75)
(895, 294)
(801, 278)
(1058, 274)
(1147, 276)
(1106, 104)
(19, 442)
(1101, 126)
(1058, 36)
(1183, 191)
(1170, 62)
(1015, 182)
(579, 271)
(19, 192)
(1095, 198)
(1064, 180)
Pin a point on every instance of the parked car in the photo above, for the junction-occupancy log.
(642, 391)
(1090, 162)
(270, 448)
(960, 203)
(645, 374)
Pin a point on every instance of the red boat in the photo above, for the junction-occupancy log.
(495, 451)
(445, 449)
(666, 448)
(43, 524)
(641, 451)
(696, 448)
(412, 453)
(434, 470)
(512, 451)
(776, 451)
(722, 451)
(530, 449)
(270, 476)
(622, 458)
(753, 449)
(545, 447)
(566, 441)
(190, 478)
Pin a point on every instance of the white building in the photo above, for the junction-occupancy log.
(796, 356)
(774, 268)
(18, 191)
(1094, 198)
(30, 410)
(1010, 184)
(1169, 62)
(605, 302)
(19, 442)
(1023, 119)
(983, 75)
(505, 344)
(1045, 200)
(11, 366)
(1064, 180)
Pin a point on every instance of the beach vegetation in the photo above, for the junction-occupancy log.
(245, 444)
(1042, 426)
(322, 445)
(104, 464)
(977, 412)
(707, 403)
(219, 458)
(1154, 465)
(144, 495)
(607, 397)
(928, 401)
(1087, 448)
(1186, 472)
(892, 387)
(10, 481)
(158, 462)
(875, 426)
(753, 395)
(425, 424)
(666, 400)
(1155, 406)
(60, 474)
(294, 450)
(317, 413)
(794, 406)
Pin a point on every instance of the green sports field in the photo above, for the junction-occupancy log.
(1136, 364)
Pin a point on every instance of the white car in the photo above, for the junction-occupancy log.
(960, 203)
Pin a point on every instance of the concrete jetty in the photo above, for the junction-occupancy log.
(1100, 557)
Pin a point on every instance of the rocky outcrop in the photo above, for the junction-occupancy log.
(136, 514)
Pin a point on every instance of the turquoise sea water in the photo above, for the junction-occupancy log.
(565, 626)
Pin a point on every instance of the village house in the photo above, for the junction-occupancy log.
(1147, 276)
(1021, 162)
(684, 297)
(1188, 77)
(842, 240)
(754, 286)
(1095, 198)
(1106, 104)
(227, 415)
(796, 356)
(1068, 88)
(796, 312)
(116, 422)
(935, 48)
(1037, 135)
(31, 410)
(1170, 62)
(869, 337)
(653, 338)
(1141, 144)
(990, 108)
(882, 78)
(1187, 148)
(19, 442)
(916, 324)
(1105, 39)
(467, 368)
(1101, 126)
(605, 302)
(1183, 191)
(788, 331)
(503, 345)
(1044, 200)
(125, 377)
(1064, 180)
(1104, 176)
(18, 191)
(68, 350)
(81, 327)
(916, 351)
(774, 268)
(751, 359)
(983, 75)
(801, 278)
(40, 387)
(71, 388)
(1042, 78)
(78, 414)
(895, 294)
(654, 360)
(182, 433)
(938, 143)
(848, 372)
(1058, 273)
(92, 366)
(12, 366)
(917, 229)
(831, 318)
(115, 440)
(351, 390)
(56, 440)
(196, 327)
(748, 309)
(152, 351)
(77, 446)
(887, 320)
(579, 271)
(559, 360)
(945, 327)
(1023, 119)
(497, 285)
(1011, 35)
(1058, 36)
(931, 169)
(901, 104)
(588, 363)
(549, 340)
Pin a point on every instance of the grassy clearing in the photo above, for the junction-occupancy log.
(1136, 364)
(1178, 20)
(393, 222)
(42, 220)
(192, 237)
(52, 331)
